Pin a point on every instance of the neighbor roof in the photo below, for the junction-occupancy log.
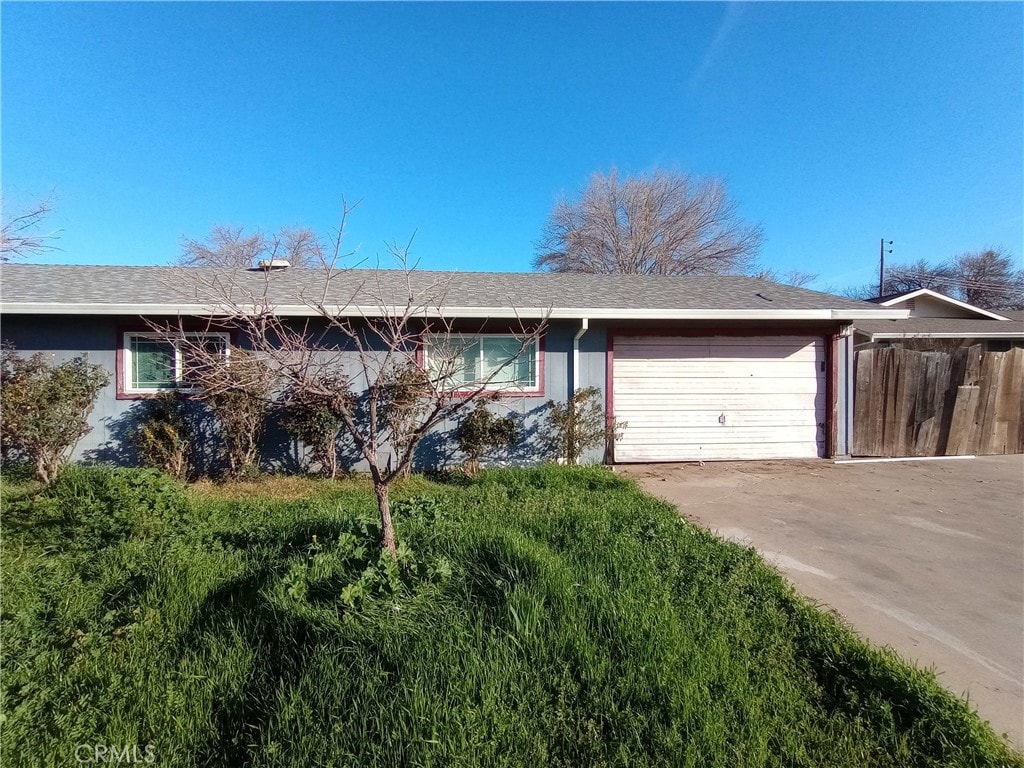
(90, 290)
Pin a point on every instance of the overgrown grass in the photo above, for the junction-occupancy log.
(545, 617)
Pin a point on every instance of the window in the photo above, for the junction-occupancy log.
(498, 362)
(152, 362)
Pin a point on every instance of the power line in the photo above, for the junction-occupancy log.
(963, 281)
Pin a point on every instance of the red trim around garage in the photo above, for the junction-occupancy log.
(829, 342)
(831, 395)
(774, 330)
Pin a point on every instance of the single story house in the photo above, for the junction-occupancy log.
(935, 317)
(699, 368)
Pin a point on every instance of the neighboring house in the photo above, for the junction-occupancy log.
(937, 318)
(700, 368)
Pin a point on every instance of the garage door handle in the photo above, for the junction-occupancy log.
(721, 419)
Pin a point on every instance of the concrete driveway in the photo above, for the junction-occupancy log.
(926, 557)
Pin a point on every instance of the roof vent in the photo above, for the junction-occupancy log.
(273, 265)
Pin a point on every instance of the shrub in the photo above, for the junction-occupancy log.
(45, 409)
(482, 432)
(578, 425)
(308, 417)
(238, 393)
(404, 397)
(164, 438)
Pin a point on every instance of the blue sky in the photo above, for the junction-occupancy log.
(833, 124)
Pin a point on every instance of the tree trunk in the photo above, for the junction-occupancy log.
(42, 470)
(387, 527)
(332, 459)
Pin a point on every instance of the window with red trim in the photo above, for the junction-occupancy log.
(153, 362)
(500, 362)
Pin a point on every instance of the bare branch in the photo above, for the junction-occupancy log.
(19, 235)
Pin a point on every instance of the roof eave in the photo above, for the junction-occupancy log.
(575, 313)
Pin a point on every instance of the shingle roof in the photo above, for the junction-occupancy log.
(945, 326)
(102, 288)
(887, 297)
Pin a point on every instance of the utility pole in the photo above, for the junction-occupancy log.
(881, 265)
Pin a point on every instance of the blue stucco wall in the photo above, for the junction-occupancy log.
(114, 421)
(437, 449)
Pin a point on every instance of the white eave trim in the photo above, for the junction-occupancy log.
(945, 298)
(303, 310)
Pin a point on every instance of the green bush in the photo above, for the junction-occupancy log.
(45, 408)
(482, 432)
(578, 425)
(164, 437)
(238, 392)
(308, 415)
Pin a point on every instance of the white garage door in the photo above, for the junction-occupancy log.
(688, 399)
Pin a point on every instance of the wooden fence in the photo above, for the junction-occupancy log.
(910, 403)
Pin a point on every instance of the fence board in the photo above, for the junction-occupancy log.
(964, 424)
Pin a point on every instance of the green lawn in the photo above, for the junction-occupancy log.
(543, 617)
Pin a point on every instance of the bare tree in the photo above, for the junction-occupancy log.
(231, 247)
(664, 223)
(20, 235)
(902, 278)
(363, 358)
(990, 279)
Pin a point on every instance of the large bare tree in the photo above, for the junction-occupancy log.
(361, 355)
(662, 223)
(990, 279)
(232, 247)
(20, 234)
